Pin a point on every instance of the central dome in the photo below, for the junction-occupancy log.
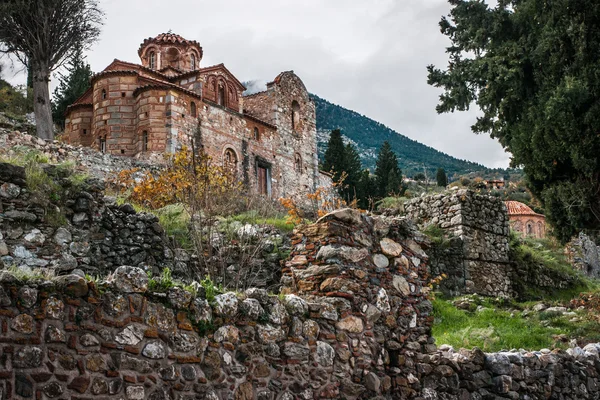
(169, 50)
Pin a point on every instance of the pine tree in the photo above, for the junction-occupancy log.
(442, 179)
(71, 86)
(388, 176)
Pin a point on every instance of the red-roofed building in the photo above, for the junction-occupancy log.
(160, 105)
(524, 220)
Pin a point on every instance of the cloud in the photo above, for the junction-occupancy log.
(368, 56)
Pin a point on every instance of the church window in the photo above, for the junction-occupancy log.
(256, 134)
(221, 95)
(295, 115)
(103, 94)
(152, 58)
(529, 229)
(85, 131)
(230, 160)
(193, 61)
(145, 141)
(103, 144)
(193, 111)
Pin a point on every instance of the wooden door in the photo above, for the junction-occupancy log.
(262, 180)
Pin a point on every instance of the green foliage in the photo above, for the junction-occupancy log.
(343, 161)
(388, 176)
(210, 289)
(163, 282)
(441, 178)
(420, 177)
(535, 257)
(13, 100)
(531, 67)
(280, 222)
(71, 86)
(497, 327)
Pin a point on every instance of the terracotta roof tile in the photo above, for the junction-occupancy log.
(518, 208)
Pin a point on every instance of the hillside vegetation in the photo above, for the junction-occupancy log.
(368, 136)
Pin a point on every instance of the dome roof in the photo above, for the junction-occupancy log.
(518, 208)
(169, 38)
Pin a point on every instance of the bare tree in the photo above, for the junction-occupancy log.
(43, 34)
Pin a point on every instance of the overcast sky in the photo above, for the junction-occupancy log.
(368, 56)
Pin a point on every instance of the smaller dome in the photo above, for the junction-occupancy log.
(518, 208)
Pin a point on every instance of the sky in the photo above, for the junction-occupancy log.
(367, 56)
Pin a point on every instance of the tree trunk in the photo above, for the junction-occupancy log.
(41, 101)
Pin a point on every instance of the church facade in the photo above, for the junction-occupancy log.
(169, 101)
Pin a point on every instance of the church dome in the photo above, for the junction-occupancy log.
(169, 50)
(518, 208)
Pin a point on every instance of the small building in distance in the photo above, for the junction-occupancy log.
(171, 100)
(525, 221)
(495, 184)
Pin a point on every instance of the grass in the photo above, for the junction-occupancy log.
(498, 328)
(280, 222)
(535, 257)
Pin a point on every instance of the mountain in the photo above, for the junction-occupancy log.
(368, 136)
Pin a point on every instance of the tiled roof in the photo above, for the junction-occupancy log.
(518, 208)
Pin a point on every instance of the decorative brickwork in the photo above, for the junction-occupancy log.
(525, 221)
(168, 101)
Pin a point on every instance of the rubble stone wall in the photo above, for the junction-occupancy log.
(481, 224)
(95, 236)
(357, 327)
(584, 255)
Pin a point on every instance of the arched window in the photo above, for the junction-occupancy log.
(103, 94)
(298, 163)
(102, 144)
(256, 134)
(193, 61)
(295, 115)
(230, 160)
(193, 111)
(529, 228)
(145, 141)
(221, 95)
(541, 232)
(152, 58)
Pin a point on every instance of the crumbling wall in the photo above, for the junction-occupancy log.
(481, 224)
(584, 255)
(353, 322)
(354, 331)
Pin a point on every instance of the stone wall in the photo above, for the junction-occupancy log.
(353, 323)
(354, 332)
(481, 224)
(95, 236)
(584, 255)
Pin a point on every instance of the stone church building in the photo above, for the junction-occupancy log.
(268, 138)
(525, 221)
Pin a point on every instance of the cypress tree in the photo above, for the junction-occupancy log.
(388, 176)
(442, 179)
(333, 161)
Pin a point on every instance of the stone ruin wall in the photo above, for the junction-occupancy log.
(477, 259)
(357, 328)
(99, 235)
(584, 255)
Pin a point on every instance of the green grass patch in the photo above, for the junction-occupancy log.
(503, 327)
(280, 222)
